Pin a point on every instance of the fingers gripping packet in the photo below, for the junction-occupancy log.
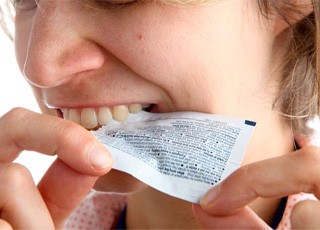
(182, 154)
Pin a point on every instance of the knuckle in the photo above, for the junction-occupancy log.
(10, 119)
(10, 125)
(15, 178)
(14, 114)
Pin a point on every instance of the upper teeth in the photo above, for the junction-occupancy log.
(91, 118)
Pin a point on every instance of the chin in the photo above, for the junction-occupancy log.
(119, 182)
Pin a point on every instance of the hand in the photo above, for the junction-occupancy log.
(225, 205)
(81, 159)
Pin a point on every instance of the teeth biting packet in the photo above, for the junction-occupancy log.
(182, 154)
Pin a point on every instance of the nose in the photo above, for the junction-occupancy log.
(58, 50)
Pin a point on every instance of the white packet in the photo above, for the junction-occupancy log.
(182, 154)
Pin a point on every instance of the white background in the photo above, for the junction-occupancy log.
(14, 92)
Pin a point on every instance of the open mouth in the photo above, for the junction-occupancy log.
(94, 118)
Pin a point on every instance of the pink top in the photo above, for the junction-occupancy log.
(98, 211)
(102, 211)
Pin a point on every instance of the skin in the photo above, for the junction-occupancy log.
(214, 58)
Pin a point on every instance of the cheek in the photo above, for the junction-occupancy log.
(163, 58)
(155, 43)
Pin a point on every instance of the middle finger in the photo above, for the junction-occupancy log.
(21, 204)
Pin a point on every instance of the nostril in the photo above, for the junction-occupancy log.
(49, 68)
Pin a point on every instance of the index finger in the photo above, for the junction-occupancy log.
(26, 130)
(273, 178)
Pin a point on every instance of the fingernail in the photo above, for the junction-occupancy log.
(210, 196)
(99, 159)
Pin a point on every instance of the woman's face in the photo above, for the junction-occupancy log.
(82, 55)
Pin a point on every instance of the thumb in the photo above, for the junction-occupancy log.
(245, 218)
(63, 189)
